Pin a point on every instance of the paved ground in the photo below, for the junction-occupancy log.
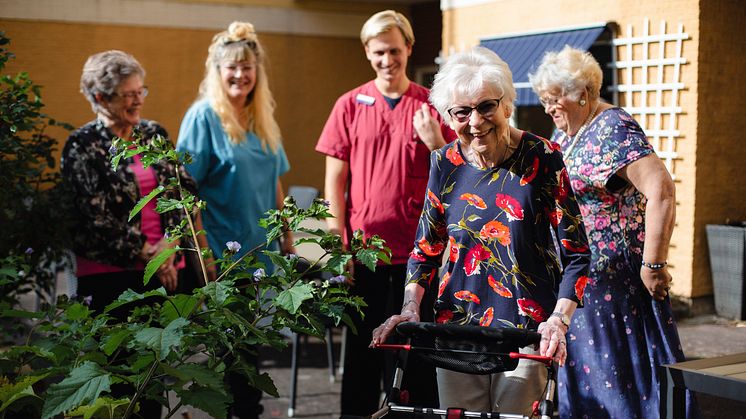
(702, 337)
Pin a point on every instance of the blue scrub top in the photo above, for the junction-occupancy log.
(238, 181)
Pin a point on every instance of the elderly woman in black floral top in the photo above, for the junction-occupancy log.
(500, 207)
(111, 252)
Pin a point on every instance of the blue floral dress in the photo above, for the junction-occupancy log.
(503, 268)
(622, 334)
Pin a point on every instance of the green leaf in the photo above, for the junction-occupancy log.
(12, 392)
(169, 204)
(114, 340)
(337, 263)
(473, 217)
(264, 382)
(77, 312)
(278, 260)
(292, 298)
(198, 373)
(129, 296)
(163, 341)
(368, 257)
(156, 262)
(144, 201)
(218, 292)
(85, 383)
(112, 408)
(179, 305)
(214, 402)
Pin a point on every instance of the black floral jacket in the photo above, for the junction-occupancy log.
(104, 197)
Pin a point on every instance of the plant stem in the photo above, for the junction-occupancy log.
(140, 390)
(172, 411)
(250, 252)
(192, 230)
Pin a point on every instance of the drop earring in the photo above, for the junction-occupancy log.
(582, 102)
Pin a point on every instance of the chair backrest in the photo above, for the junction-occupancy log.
(303, 195)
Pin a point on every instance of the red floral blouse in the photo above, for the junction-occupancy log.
(514, 235)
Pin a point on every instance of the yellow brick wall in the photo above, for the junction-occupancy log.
(464, 26)
(307, 74)
(720, 168)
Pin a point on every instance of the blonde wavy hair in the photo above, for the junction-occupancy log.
(571, 71)
(240, 43)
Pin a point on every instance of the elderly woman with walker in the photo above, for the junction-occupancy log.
(495, 199)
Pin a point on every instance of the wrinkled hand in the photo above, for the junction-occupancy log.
(553, 342)
(167, 273)
(168, 276)
(657, 282)
(382, 332)
(427, 128)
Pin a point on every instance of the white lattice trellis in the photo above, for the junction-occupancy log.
(653, 101)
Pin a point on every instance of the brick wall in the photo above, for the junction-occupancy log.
(709, 177)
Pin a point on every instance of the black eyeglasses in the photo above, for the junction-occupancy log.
(485, 108)
(142, 92)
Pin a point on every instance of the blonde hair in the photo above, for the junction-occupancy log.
(571, 71)
(383, 22)
(240, 43)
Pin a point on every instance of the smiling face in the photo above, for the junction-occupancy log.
(388, 54)
(238, 79)
(122, 109)
(481, 132)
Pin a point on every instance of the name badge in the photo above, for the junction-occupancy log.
(365, 99)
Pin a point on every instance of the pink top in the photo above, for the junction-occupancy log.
(389, 164)
(149, 218)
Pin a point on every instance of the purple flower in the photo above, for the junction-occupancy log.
(29, 251)
(233, 247)
(292, 256)
(113, 150)
(259, 274)
(87, 300)
(325, 202)
(339, 279)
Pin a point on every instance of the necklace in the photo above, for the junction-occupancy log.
(573, 139)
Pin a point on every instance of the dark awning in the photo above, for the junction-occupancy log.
(523, 52)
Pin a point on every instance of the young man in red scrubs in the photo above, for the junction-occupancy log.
(377, 143)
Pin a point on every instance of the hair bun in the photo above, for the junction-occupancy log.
(241, 31)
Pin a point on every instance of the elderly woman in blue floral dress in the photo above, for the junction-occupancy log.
(627, 200)
(495, 199)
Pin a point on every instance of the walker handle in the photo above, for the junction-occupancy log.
(546, 360)
(392, 347)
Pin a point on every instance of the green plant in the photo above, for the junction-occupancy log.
(32, 201)
(72, 357)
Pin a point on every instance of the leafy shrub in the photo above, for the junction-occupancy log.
(33, 204)
(185, 343)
